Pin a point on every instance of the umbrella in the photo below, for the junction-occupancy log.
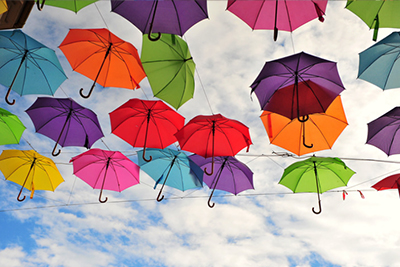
(3, 6)
(11, 128)
(169, 68)
(102, 169)
(316, 174)
(213, 135)
(319, 132)
(103, 57)
(30, 170)
(73, 5)
(383, 132)
(379, 63)
(285, 15)
(309, 79)
(27, 66)
(65, 121)
(182, 172)
(231, 176)
(167, 16)
(376, 14)
(391, 182)
(146, 123)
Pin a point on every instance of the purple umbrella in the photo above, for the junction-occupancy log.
(312, 82)
(231, 176)
(167, 16)
(65, 121)
(384, 132)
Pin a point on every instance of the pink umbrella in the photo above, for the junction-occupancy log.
(284, 15)
(102, 169)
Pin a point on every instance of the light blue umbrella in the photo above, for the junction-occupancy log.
(172, 168)
(379, 63)
(27, 66)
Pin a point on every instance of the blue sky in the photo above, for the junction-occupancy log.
(268, 227)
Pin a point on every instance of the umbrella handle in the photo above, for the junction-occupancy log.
(19, 195)
(54, 151)
(40, 6)
(143, 156)
(153, 39)
(209, 202)
(160, 198)
(212, 169)
(6, 98)
(275, 34)
(102, 201)
(90, 92)
(320, 209)
(303, 118)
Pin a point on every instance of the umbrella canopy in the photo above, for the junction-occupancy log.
(102, 169)
(284, 15)
(146, 123)
(231, 176)
(168, 16)
(379, 63)
(319, 132)
(11, 128)
(376, 14)
(103, 57)
(310, 80)
(390, 182)
(30, 170)
(214, 135)
(65, 121)
(383, 132)
(3, 6)
(172, 168)
(169, 68)
(317, 175)
(73, 5)
(27, 66)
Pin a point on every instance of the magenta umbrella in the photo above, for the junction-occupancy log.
(103, 169)
(284, 15)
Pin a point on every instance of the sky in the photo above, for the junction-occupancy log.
(267, 226)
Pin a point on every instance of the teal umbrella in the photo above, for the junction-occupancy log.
(11, 128)
(172, 168)
(379, 63)
(27, 66)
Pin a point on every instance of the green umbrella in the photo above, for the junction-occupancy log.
(169, 68)
(376, 14)
(73, 5)
(11, 128)
(316, 175)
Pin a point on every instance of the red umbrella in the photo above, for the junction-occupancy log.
(391, 182)
(146, 123)
(212, 136)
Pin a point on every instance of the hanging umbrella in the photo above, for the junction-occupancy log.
(379, 63)
(102, 169)
(231, 176)
(27, 66)
(146, 123)
(73, 5)
(213, 135)
(30, 170)
(65, 121)
(316, 175)
(376, 14)
(391, 182)
(169, 68)
(308, 83)
(383, 132)
(11, 128)
(167, 16)
(284, 15)
(172, 168)
(319, 132)
(103, 57)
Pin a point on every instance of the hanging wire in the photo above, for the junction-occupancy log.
(105, 23)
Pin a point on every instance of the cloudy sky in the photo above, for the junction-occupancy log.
(268, 226)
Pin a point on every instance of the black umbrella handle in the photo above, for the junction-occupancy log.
(40, 6)
(320, 209)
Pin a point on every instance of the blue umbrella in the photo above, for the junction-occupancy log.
(172, 168)
(27, 66)
(379, 65)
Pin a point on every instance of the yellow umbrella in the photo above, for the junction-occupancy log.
(30, 170)
(3, 6)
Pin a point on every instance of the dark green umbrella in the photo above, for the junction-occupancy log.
(316, 175)
(11, 128)
(169, 68)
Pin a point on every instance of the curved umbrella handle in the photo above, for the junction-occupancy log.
(160, 197)
(153, 39)
(54, 151)
(303, 118)
(6, 98)
(320, 209)
(102, 201)
(19, 195)
(90, 92)
(143, 156)
(40, 6)
(209, 202)
(212, 169)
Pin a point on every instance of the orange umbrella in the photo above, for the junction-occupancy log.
(319, 132)
(103, 57)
